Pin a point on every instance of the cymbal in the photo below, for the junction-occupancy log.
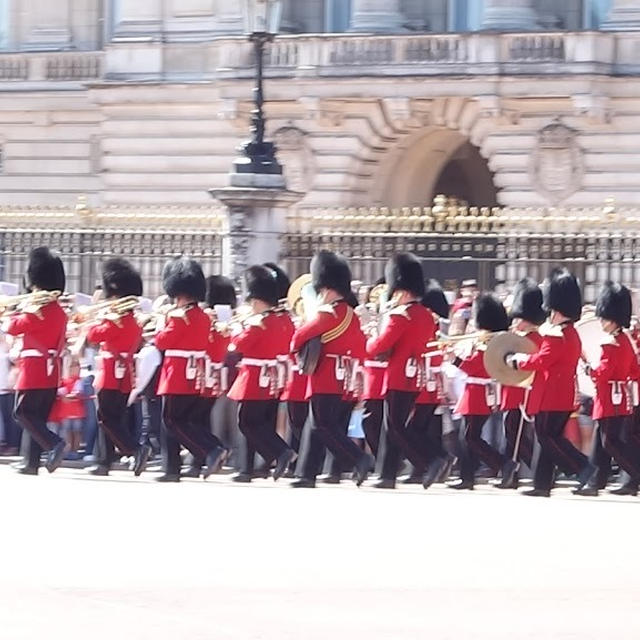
(498, 348)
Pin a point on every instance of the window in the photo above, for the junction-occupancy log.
(465, 15)
(596, 12)
(337, 15)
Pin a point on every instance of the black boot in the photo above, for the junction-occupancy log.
(168, 477)
(589, 491)
(385, 484)
(143, 453)
(362, 468)
(283, 461)
(446, 469)
(462, 485)
(331, 479)
(191, 472)
(214, 461)
(588, 475)
(56, 456)
(537, 493)
(509, 475)
(24, 470)
(303, 483)
(98, 470)
(242, 477)
(625, 490)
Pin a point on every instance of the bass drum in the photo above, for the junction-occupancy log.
(592, 335)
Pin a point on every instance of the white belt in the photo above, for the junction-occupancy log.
(284, 358)
(434, 369)
(109, 354)
(216, 366)
(376, 364)
(337, 356)
(181, 353)
(258, 362)
(34, 353)
(479, 381)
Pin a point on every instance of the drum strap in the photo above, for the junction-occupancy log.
(338, 330)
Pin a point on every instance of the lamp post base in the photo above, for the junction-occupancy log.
(258, 158)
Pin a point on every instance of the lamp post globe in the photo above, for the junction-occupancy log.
(262, 21)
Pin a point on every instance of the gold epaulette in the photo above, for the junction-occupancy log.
(402, 310)
(178, 312)
(255, 321)
(610, 339)
(327, 308)
(551, 330)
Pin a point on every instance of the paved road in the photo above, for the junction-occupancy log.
(127, 558)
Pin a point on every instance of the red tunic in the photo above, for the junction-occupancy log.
(476, 397)
(513, 397)
(260, 344)
(433, 390)
(374, 374)
(184, 342)
(557, 363)
(618, 366)
(341, 328)
(44, 334)
(354, 388)
(119, 340)
(215, 371)
(405, 334)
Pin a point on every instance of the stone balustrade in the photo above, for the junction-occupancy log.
(337, 55)
(39, 67)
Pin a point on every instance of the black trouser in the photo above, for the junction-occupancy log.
(337, 465)
(182, 425)
(424, 428)
(555, 449)
(609, 443)
(257, 422)
(298, 412)
(513, 420)
(11, 427)
(372, 423)
(32, 410)
(328, 432)
(115, 433)
(400, 439)
(476, 450)
(203, 416)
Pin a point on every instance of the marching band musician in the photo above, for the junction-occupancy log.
(338, 328)
(220, 291)
(519, 404)
(184, 341)
(612, 405)
(43, 331)
(480, 396)
(257, 386)
(425, 425)
(557, 362)
(406, 331)
(119, 337)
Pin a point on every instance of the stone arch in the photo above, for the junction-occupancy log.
(432, 161)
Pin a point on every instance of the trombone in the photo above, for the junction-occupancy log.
(448, 341)
(118, 307)
(14, 304)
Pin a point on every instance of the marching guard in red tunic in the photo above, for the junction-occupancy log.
(426, 424)
(43, 331)
(184, 341)
(521, 404)
(119, 337)
(220, 291)
(407, 329)
(257, 387)
(613, 404)
(557, 362)
(480, 397)
(341, 345)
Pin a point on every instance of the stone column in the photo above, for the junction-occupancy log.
(624, 16)
(228, 17)
(132, 18)
(376, 16)
(257, 207)
(510, 15)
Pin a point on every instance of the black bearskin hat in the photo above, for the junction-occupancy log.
(435, 300)
(45, 270)
(404, 271)
(490, 314)
(562, 294)
(330, 271)
(261, 284)
(120, 279)
(184, 277)
(220, 290)
(282, 279)
(614, 303)
(527, 302)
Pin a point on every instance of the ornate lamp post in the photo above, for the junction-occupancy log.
(257, 199)
(262, 21)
